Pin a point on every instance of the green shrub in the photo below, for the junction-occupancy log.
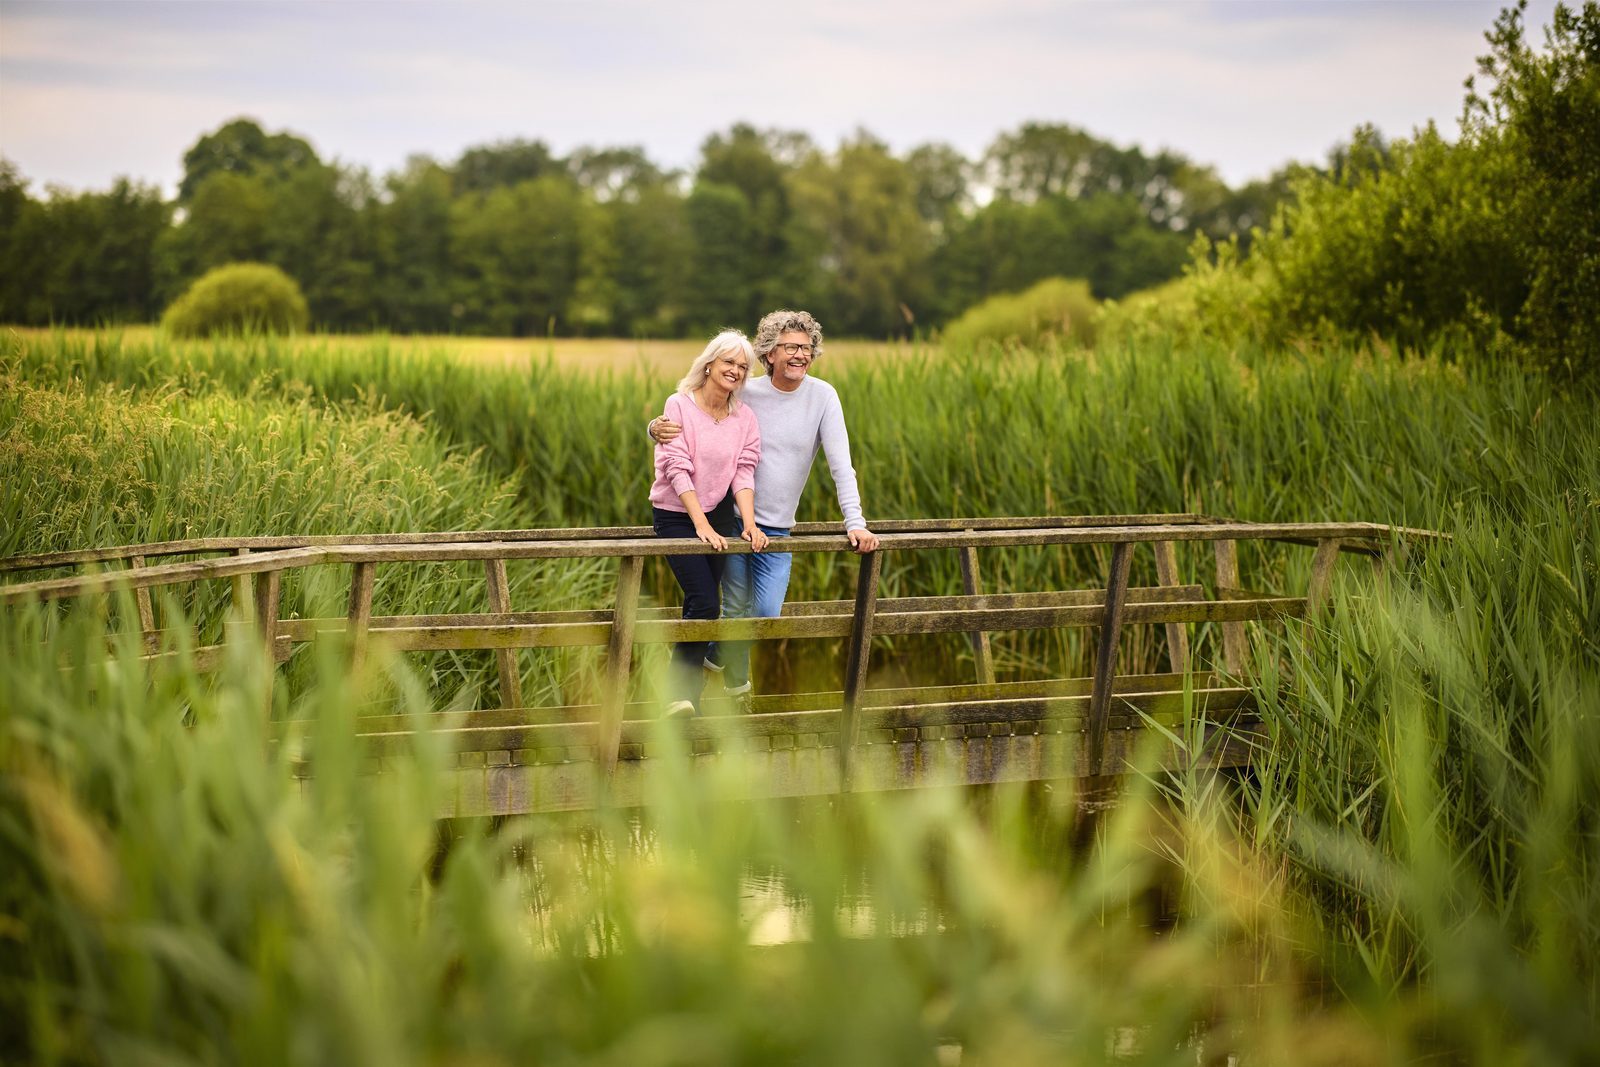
(1483, 245)
(1055, 311)
(238, 298)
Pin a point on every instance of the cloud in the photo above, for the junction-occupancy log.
(89, 91)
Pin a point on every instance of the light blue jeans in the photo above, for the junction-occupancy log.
(753, 587)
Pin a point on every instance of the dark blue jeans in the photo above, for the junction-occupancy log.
(701, 579)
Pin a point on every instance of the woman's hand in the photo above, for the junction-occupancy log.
(757, 539)
(704, 532)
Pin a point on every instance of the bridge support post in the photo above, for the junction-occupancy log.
(506, 658)
(619, 660)
(269, 586)
(1233, 642)
(1177, 632)
(855, 671)
(1321, 575)
(1105, 660)
(147, 611)
(972, 585)
(242, 602)
(362, 578)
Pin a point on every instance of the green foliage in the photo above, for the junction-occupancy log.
(1054, 312)
(1481, 247)
(86, 465)
(1413, 848)
(510, 238)
(241, 147)
(1541, 120)
(238, 298)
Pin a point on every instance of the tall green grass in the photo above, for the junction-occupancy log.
(88, 465)
(1340, 435)
(1408, 873)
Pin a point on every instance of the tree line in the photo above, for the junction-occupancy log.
(512, 239)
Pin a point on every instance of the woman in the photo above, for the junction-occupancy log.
(705, 488)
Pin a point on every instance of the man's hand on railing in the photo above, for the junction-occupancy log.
(863, 541)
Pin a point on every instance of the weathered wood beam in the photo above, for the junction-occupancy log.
(1321, 584)
(972, 586)
(148, 637)
(619, 662)
(1234, 647)
(1105, 660)
(269, 586)
(363, 577)
(1177, 632)
(591, 634)
(856, 665)
(505, 658)
(204, 545)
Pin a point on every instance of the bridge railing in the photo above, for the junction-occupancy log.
(256, 567)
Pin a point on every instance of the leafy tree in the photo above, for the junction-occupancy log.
(413, 249)
(725, 257)
(758, 165)
(516, 252)
(608, 174)
(504, 163)
(24, 250)
(942, 180)
(226, 221)
(243, 148)
(321, 231)
(1541, 115)
(654, 250)
(874, 242)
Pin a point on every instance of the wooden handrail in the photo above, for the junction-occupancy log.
(257, 565)
(1376, 535)
(203, 545)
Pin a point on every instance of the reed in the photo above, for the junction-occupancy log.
(1408, 872)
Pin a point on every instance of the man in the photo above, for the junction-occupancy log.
(798, 416)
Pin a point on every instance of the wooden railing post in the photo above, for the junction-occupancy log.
(147, 612)
(1177, 632)
(972, 585)
(1105, 660)
(855, 671)
(362, 578)
(269, 585)
(1321, 584)
(1233, 642)
(241, 591)
(619, 660)
(500, 604)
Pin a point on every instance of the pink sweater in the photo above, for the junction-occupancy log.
(712, 458)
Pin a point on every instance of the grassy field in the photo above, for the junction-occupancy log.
(590, 354)
(1410, 873)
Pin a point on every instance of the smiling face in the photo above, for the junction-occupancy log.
(728, 369)
(789, 369)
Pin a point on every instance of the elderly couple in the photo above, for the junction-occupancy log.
(731, 462)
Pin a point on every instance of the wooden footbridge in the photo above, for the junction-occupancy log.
(515, 759)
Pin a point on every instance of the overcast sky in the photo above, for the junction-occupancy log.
(90, 90)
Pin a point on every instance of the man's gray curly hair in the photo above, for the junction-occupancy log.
(778, 323)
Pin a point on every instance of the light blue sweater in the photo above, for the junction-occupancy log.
(793, 427)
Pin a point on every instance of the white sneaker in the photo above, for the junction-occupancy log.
(680, 709)
(741, 695)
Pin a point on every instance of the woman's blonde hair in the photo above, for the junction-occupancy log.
(726, 341)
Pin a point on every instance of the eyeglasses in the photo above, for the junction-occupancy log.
(790, 349)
